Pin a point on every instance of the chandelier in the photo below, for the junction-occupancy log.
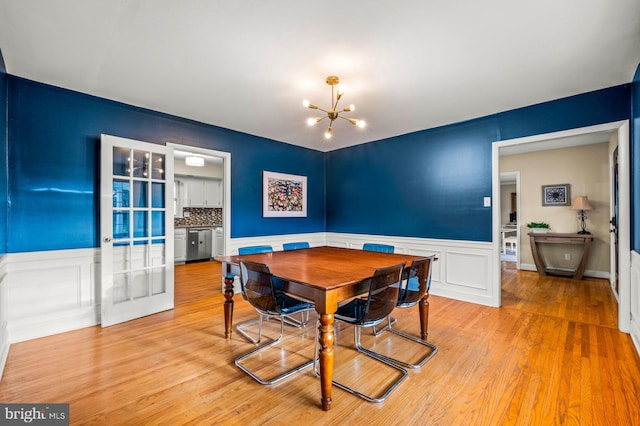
(333, 113)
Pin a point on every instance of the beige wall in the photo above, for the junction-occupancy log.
(586, 169)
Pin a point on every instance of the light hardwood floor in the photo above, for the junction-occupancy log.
(550, 356)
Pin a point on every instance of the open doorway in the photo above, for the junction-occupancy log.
(209, 208)
(575, 137)
(509, 223)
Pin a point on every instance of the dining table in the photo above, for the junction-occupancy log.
(325, 276)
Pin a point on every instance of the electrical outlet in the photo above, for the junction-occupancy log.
(487, 201)
(567, 256)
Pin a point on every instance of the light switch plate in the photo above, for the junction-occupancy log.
(487, 201)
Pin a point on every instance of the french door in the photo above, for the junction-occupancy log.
(136, 225)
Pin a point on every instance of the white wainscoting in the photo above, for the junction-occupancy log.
(51, 292)
(463, 271)
(635, 299)
(4, 334)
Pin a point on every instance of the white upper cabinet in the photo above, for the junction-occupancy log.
(203, 192)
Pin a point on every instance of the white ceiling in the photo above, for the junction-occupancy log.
(247, 65)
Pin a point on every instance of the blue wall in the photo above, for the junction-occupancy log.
(432, 183)
(424, 184)
(54, 140)
(3, 156)
(635, 165)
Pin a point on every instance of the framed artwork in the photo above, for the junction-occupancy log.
(283, 195)
(556, 195)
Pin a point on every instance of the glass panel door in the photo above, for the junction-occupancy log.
(137, 231)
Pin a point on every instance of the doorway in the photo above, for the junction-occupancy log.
(575, 137)
(510, 232)
(225, 159)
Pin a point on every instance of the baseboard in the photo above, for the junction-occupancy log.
(587, 273)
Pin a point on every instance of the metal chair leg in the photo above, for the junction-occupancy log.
(390, 321)
(389, 327)
(276, 379)
(240, 328)
(362, 395)
(289, 320)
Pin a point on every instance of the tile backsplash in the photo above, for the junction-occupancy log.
(199, 217)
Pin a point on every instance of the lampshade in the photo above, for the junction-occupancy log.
(581, 203)
(194, 161)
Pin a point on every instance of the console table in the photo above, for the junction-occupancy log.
(555, 238)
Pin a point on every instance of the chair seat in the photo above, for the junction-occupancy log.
(353, 312)
(290, 305)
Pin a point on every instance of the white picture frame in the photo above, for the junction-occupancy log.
(283, 195)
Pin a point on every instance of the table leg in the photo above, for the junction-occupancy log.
(228, 303)
(325, 354)
(423, 306)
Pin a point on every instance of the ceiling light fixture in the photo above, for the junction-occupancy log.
(333, 113)
(194, 161)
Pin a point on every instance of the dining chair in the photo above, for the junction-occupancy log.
(257, 286)
(417, 285)
(241, 327)
(295, 246)
(278, 284)
(385, 248)
(254, 249)
(367, 312)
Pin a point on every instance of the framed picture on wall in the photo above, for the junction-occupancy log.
(283, 195)
(556, 195)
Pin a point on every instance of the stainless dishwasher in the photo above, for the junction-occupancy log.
(199, 244)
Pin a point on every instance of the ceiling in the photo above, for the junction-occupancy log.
(247, 65)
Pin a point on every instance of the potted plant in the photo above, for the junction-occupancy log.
(538, 227)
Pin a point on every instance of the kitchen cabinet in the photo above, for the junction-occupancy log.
(180, 245)
(218, 241)
(204, 192)
(179, 197)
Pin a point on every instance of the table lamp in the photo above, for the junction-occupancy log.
(582, 203)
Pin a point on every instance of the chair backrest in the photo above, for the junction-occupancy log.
(254, 249)
(257, 286)
(418, 281)
(295, 246)
(383, 293)
(385, 248)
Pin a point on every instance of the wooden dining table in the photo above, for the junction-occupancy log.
(325, 276)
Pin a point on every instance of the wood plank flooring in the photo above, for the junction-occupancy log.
(551, 355)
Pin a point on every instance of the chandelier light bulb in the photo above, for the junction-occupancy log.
(333, 112)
